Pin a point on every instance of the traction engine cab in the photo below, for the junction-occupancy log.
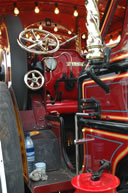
(102, 104)
(74, 106)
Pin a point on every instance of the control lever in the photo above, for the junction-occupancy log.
(72, 38)
(97, 174)
(91, 75)
(91, 104)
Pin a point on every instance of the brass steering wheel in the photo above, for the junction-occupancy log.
(38, 41)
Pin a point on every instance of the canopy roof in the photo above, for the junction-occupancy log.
(64, 18)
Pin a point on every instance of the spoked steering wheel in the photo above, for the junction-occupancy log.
(34, 80)
(38, 41)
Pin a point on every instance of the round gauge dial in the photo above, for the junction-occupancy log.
(50, 63)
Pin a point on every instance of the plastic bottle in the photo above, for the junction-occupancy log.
(29, 152)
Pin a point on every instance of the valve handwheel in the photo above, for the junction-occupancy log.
(34, 79)
(38, 41)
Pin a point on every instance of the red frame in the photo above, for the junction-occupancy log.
(117, 143)
(106, 143)
(114, 104)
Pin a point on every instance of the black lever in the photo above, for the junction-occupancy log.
(97, 80)
(97, 174)
(91, 104)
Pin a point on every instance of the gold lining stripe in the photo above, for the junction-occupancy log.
(107, 78)
(120, 136)
(117, 159)
(115, 117)
(106, 16)
(119, 57)
(123, 153)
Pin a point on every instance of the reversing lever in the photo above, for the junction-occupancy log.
(97, 174)
(97, 80)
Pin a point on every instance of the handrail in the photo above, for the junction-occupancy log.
(78, 141)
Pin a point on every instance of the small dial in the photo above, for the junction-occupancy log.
(50, 63)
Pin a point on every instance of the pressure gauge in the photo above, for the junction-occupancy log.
(50, 63)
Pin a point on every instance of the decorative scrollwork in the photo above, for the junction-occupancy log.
(94, 43)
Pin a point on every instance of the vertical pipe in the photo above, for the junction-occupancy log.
(77, 146)
(77, 137)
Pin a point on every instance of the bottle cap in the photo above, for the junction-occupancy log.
(27, 134)
(40, 165)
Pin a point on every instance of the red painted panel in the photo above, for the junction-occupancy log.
(120, 51)
(64, 60)
(105, 145)
(57, 187)
(39, 111)
(63, 107)
(28, 120)
(113, 104)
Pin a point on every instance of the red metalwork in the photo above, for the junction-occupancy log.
(107, 183)
(114, 104)
(55, 187)
(109, 131)
(98, 148)
(39, 111)
(53, 107)
(120, 51)
(62, 107)
(28, 120)
(67, 61)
